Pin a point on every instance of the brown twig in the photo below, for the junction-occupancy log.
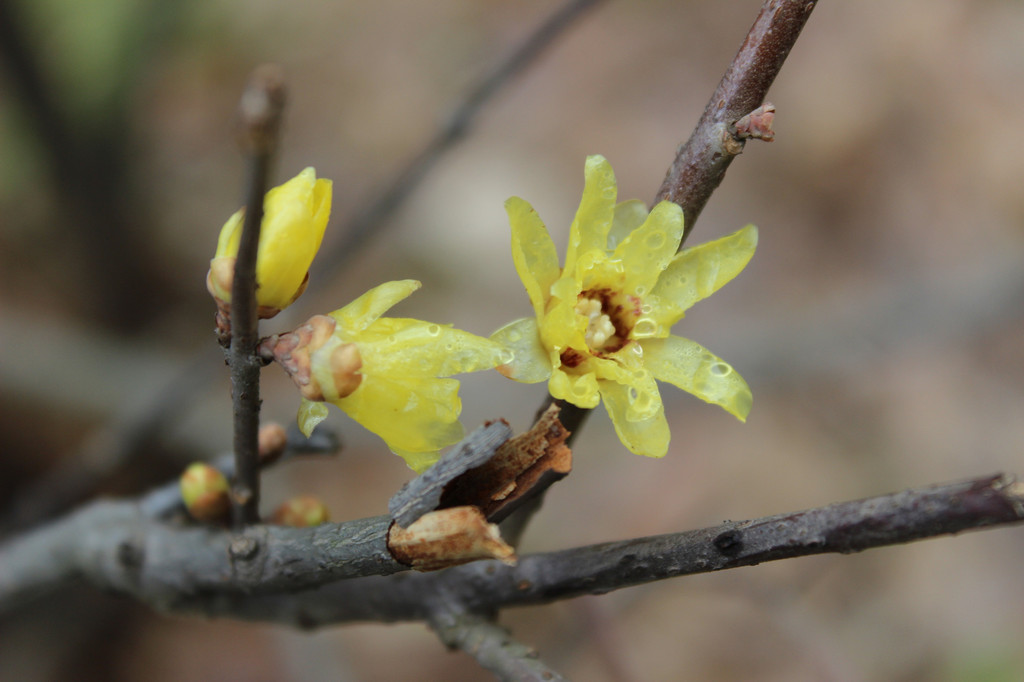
(700, 163)
(260, 110)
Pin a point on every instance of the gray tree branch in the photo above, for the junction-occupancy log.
(192, 570)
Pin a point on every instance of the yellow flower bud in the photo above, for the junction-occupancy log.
(294, 219)
(301, 512)
(204, 490)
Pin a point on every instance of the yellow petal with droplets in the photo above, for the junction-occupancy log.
(411, 415)
(699, 271)
(691, 367)
(642, 432)
(579, 389)
(364, 311)
(530, 362)
(629, 215)
(589, 229)
(406, 347)
(533, 252)
(648, 250)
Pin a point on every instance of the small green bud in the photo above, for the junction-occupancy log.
(205, 493)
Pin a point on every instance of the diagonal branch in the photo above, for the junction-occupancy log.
(486, 586)
(700, 163)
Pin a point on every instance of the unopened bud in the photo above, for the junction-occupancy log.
(272, 441)
(204, 490)
(294, 218)
(301, 512)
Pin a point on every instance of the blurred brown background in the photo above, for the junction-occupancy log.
(879, 324)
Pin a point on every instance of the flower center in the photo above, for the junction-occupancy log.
(600, 329)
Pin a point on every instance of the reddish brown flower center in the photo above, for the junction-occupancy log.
(610, 317)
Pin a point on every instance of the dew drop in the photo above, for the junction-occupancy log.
(655, 240)
(720, 369)
(506, 356)
(433, 330)
(642, 402)
(632, 394)
(514, 336)
(640, 290)
(645, 327)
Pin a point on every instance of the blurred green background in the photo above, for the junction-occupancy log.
(879, 325)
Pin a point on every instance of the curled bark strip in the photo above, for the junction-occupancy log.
(448, 537)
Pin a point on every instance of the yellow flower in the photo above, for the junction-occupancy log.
(389, 374)
(601, 325)
(294, 218)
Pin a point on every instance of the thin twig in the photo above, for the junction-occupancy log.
(493, 647)
(362, 222)
(486, 586)
(700, 164)
(261, 108)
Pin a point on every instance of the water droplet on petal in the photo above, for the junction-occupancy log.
(514, 336)
(506, 356)
(640, 290)
(655, 240)
(720, 369)
(433, 330)
(645, 327)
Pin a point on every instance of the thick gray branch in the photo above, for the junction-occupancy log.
(542, 578)
(114, 546)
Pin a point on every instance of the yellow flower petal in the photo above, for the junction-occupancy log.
(562, 327)
(589, 229)
(414, 348)
(310, 414)
(530, 362)
(579, 389)
(696, 370)
(643, 432)
(533, 252)
(294, 219)
(629, 215)
(699, 271)
(362, 312)
(648, 250)
(414, 416)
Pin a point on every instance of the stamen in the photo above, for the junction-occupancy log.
(600, 328)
